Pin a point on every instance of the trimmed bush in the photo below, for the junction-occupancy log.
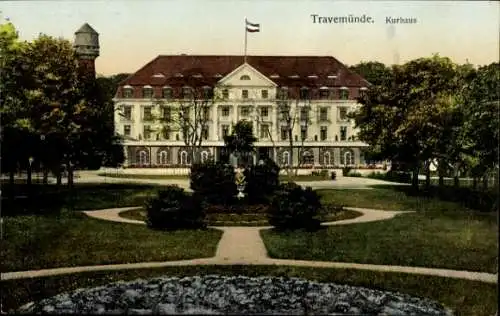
(345, 171)
(293, 207)
(333, 175)
(261, 182)
(214, 182)
(354, 174)
(392, 176)
(174, 209)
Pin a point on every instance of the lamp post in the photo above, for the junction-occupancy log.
(30, 161)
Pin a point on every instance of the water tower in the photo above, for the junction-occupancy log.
(87, 47)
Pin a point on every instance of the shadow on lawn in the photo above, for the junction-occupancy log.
(39, 199)
(484, 201)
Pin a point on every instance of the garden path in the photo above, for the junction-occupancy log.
(243, 245)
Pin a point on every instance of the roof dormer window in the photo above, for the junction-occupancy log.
(128, 92)
(147, 92)
(274, 76)
(218, 76)
(187, 92)
(293, 76)
(332, 76)
(323, 92)
(178, 75)
(167, 92)
(245, 77)
(159, 75)
(312, 77)
(198, 76)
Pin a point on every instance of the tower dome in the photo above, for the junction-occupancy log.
(87, 42)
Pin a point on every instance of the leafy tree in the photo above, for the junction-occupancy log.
(241, 140)
(374, 72)
(405, 119)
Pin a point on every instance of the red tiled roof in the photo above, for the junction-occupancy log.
(208, 66)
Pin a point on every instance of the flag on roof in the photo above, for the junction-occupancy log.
(252, 27)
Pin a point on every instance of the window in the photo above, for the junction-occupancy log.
(127, 112)
(204, 132)
(307, 158)
(244, 94)
(206, 114)
(284, 133)
(327, 159)
(167, 114)
(187, 92)
(128, 93)
(264, 131)
(323, 133)
(362, 92)
(323, 93)
(142, 156)
(204, 156)
(184, 158)
(285, 158)
(147, 132)
(147, 92)
(303, 133)
(344, 94)
(208, 92)
(343, 113)
(245, 77)
(283, 93)
(323, 114)
(167, 93)
(225, 130)
(148, 116)
(225, 111)
(348, 158)
(127, 130)
(304, 114)
(162, 157)
(245, 111)
(166, 132)
(304, 93)
(225, 94)
(264, 94)
(264, 111)
(184, 113)
(343, 133)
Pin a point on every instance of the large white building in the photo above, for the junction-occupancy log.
(319, 91)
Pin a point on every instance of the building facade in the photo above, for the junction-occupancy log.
(307, 95)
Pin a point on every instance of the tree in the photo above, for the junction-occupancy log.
(241, 140)
(405, 119)
(15, 125)
(188, 115)
(374, 72)
(293, 114)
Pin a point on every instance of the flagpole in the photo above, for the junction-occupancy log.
(245, 56)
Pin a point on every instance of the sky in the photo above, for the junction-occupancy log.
(133, 32)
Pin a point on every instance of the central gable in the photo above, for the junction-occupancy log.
(246, 76)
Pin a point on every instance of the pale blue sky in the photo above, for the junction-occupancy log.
(133, 32)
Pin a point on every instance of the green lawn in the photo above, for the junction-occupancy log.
(467, 298)
(440, 235)
(74, 239)
(245, 219)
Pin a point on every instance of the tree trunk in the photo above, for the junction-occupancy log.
(485, 182)
(11, 178)
(427, 175)
(29, 173)
(58, 176)
(474, 183)
(45, 176)
(414, 178)
(441, 172)
(70, 176)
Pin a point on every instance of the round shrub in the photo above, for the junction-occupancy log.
(214, 182)
(293, 207)
(261, 181)
(174, 209)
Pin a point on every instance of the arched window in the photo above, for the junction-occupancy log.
(128, 92)
(307, 158)
(245, 77)
(327, 159)
(184, 158)
(348, 158)
(142, 157)
(147, 92)
(204, 156)
(162, 157)
(286, 158)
